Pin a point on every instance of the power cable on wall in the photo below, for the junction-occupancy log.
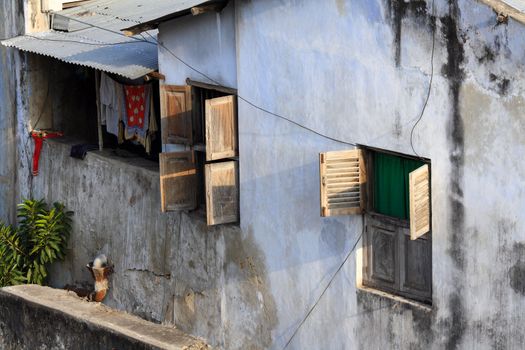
(326, 287)
(249, 102)
(100, 43)
(311, 309)
(429, 84)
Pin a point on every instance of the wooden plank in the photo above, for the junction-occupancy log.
(214, 7)
(219, 88)
(363, 180)
(176, 114)
(221, 128)
(156, 76)
(416, 268)
(222, 192)
(419, 195)
(343, 178)
(178, 181)
(71, 4)
(99, 112)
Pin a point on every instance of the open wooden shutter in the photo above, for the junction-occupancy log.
(221, 128)
(175, 111)
(343, 179)
(419, 192)
(222, 192)
(178, 181)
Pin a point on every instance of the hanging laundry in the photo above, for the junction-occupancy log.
(112, 101)
(153, 127)
(137, 112)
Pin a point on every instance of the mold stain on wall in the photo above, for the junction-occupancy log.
(399, 10)
(453, 71)
(245, 270)
(517, 271)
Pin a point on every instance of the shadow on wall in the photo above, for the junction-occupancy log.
(280, 203)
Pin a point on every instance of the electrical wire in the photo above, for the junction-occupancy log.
(326, 287)
(253, 104)
(310, 311)
(429, 84)
(99, 27)
(156, 42)
(100, 43)
(249, 102)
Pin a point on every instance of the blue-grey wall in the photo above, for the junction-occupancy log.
(12, 24)
(359, 71)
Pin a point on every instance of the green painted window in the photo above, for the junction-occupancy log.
(391, 184)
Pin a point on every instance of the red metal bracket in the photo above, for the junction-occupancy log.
(39, 136)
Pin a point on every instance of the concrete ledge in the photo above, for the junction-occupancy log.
(35, 317)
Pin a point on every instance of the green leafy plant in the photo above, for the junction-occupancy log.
(40, 239)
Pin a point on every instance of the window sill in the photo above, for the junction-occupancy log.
(131, 162)
(396, 298)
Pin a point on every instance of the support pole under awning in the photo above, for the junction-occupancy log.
(99, 114)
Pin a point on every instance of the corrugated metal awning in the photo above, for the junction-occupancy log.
(159, 11)
(91, 37)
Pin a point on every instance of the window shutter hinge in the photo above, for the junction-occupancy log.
(322, 157)
(323, 211)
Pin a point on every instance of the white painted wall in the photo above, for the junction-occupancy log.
(9, 65)
(331, 66)
(208, 39)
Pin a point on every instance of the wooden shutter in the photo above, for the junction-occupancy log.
(175, 112)
(419, 191)
(178, 181)
(221, 128)
(343, 179)
(222, 192)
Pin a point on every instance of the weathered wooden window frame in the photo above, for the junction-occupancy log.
(223, 163)
(401, 229)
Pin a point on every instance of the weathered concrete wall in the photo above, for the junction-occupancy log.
(204, 39)
(35, 317)
(37, 93)
(36, 20)
(169, 268)
(358, 71)
(12, 24)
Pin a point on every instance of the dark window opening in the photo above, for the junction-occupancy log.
(200, 95)
(392, 262)
(391, 173)
(130, 148)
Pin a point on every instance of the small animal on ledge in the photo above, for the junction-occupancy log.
(100, 269)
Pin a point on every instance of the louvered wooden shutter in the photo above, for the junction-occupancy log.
(419, 191)
(221, 128)
(175, 111)
(343, 179)
(222, 192)
(178, 181)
